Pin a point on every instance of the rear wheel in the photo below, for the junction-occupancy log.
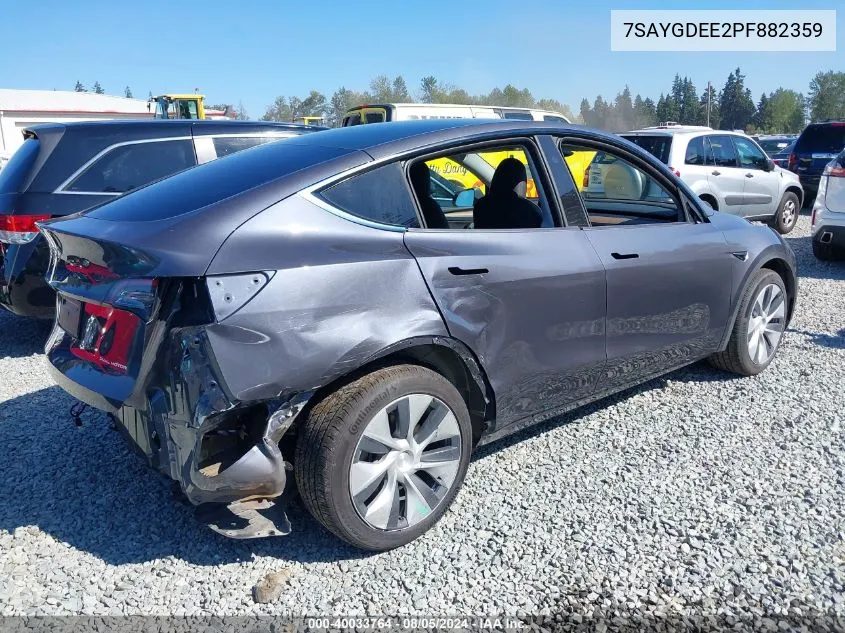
(380, 460)
(759, 326)
(787, 214)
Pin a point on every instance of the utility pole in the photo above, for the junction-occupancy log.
(708, 104)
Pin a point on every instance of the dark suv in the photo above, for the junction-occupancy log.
(65, 168)
(818, 144)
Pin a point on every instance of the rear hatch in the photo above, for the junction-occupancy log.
(818, 144)
(16, 224)
(119, 269)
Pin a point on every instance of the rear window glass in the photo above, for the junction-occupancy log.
(15, 173)
(379, 195)
(215, 181)
(225, 145)
(773, 146)
(657, 146)
(352, 119)
(132, 166)
(822, 139)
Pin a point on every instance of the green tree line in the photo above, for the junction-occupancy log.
(731, 107)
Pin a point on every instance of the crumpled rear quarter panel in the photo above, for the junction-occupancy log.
(342, 292)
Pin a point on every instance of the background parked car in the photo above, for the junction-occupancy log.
(781, 158)
(828, 220)
(64, 168)
(309, 303)
(817, 145)
(727, 170)
(774, 143)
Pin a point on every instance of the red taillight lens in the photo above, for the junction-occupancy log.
(813, 217)
(837, 172)
(19, 229)
(793, 161)
(586, 181)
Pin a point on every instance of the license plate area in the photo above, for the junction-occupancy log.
(69, 315)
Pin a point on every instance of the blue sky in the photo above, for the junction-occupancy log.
(254, 50)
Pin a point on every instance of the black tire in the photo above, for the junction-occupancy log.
(735, 358)
(824, 252)
(708, 202)
(784, 225)
(329, 435)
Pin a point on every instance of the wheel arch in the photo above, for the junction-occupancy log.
(710, 199)
(773, 260)
(798, 191)
(449, 357)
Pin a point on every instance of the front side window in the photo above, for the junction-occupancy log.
(617, 191)
(750, 156)
(131, 166)
(379, 195)
(723, 151)
(225, 145)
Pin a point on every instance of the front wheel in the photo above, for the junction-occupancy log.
(759, 326)
(380, 460)
(787, 214)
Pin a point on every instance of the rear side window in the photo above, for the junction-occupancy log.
(696, 154)
(822, 139)
(548, 117)
(15, 173)
(519, 116)
(379, 195)
(375, 117)
(657, 146)
(352, 119)
(224, 146)
(724, 154)
(129, 167)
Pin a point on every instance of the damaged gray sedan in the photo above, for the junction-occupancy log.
(341, 315)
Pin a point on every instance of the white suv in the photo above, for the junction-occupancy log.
(828, 222)
(727, 170)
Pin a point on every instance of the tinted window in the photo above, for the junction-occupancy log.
(695, 152)
(773, 146)
(548, 117)
(378, 195)
(229, 145)
(657, 146)
(750, 156)
(352, 119)
(520, 116)
(16, 171)
(723, 151)
(822, 139)
(132, 166)
(215, 181)
(375, 117)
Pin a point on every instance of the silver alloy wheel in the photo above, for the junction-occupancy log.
(788, 214)
(765, 323)
(405, 462)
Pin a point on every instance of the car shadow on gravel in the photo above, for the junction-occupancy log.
(697, 372)
(809, 266)
(85, 487)
(21, 336)
(834, 341)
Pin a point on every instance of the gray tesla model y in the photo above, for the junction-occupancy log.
(306, 315)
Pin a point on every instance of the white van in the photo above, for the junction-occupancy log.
(381, 113)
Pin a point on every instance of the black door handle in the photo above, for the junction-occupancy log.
(624, 255)
(716, 172)
(457, 270)
(749, 175)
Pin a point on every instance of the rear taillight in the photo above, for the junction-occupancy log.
(837, 172)
(586, 181)
(813, 217)
(793, 161)
(19, 229)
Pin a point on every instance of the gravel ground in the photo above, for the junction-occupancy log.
(691, 494)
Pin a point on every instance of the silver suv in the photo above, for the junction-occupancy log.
(727, 170)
